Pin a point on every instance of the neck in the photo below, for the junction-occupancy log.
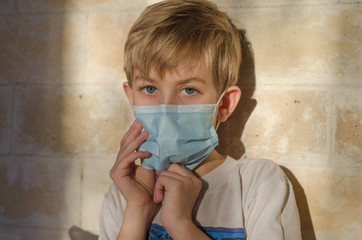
(211, 162)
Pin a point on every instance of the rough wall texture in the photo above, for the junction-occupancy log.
(63, 111)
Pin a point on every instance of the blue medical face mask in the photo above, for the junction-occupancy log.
(177, 133)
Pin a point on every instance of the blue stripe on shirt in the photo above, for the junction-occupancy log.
(157, 232)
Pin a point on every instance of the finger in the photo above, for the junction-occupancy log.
(178, 174)
(132, 133)
(132, 157)
(174, 175)
(158, 191)
(123, 168)
(132, 146)
(180, 169)
(174, 181)
(128, 132)
(168, 180)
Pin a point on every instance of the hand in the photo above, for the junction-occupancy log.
(134, 182)
(178, 188)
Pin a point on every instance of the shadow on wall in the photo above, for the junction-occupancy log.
(303, 207)
(231, 131)
(32, 178)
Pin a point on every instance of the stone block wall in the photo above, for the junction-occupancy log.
(63, 110)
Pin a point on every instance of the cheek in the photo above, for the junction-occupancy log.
(142, 99)
(209, 96)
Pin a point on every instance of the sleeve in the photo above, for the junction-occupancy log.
(111, 214)
(270, 211)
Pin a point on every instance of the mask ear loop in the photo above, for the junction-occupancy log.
(217, 104)
(217, 125)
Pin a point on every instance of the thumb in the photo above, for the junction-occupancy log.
(158, 191)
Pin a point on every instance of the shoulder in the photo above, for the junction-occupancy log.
(249, 171)
(259, 167)
(260, 173)
(268, 200)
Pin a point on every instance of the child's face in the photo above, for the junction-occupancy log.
(184, 85)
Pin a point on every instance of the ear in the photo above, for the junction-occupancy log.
(228, 103)
(128, 90)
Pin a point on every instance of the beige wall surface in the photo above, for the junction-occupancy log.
(63, 110)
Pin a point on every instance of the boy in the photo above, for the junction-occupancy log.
(181, 61)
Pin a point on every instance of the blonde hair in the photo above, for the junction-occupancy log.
(174, 32)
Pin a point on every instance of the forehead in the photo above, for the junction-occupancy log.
(197, 71)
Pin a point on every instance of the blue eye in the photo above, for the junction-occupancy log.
(150, 89)
(188, 91)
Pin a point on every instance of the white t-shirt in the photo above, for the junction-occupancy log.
(241, 199)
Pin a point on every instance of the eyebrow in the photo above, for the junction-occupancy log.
(143, 79)
(179, 81)
(192, 79)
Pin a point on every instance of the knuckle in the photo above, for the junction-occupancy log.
(142, 136)
(199, 184)
(189, 181)
(173, 166)
(145, 133)
(122, 142)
